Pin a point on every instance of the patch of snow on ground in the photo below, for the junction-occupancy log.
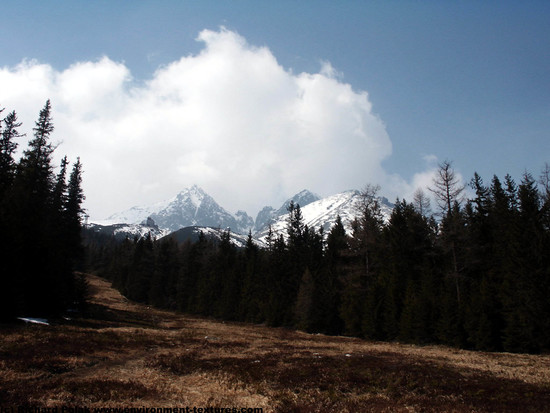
(33, 320)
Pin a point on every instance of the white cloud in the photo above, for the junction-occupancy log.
(230, 119)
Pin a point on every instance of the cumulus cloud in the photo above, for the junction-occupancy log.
(230, 119)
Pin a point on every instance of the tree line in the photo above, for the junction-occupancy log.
(40, 223)
(477, 277)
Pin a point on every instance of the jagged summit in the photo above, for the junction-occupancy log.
(269, 214)
(191, 207)
(302, 198)
(323, 213)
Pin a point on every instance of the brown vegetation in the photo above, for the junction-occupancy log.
(129, 355)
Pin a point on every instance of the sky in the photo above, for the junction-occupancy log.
(254, 100)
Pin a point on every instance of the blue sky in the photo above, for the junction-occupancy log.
(466, 81)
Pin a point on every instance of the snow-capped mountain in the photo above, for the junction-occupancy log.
(191, 207)
(192, 234)
(269, 215)
(323, 213)
(130, 231)
(194, 210)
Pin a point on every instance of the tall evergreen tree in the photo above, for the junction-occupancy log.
(527, 286)
(8, 145)
(8, 282)
(59, 195)
(73, 209)
(31, 217)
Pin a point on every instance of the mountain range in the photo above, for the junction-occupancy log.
(191, 207)
(194, 210)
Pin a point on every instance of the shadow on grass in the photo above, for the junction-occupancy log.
(100, 316)
(366, 382)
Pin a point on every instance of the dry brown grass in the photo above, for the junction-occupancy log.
(130, 355)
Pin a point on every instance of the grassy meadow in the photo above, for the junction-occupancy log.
(129, 355)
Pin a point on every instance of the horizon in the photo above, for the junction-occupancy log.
(254, 215)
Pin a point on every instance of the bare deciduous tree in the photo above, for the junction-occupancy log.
(421, 202)
(448, 191)
(544, 180)
(447, 188)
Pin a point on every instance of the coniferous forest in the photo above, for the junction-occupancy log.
(475, 273)
(40, 224)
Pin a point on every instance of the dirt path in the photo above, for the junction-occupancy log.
(131, 355)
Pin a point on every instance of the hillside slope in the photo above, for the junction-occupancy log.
(129, 355)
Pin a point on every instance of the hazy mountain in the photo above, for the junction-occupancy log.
(270, 215)
(193, 210)
(323, 213)
(191, 207)
(130, 231)
(192, 234)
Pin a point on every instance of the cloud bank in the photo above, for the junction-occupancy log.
(230, 119)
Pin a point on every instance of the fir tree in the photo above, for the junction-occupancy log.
(31, 214)
(8, 145)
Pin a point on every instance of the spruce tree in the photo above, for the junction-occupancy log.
(73, 209)
(8, 145)
(527, 285)
(30, 218)
(251, 292)
(59, 195)
(10, 297)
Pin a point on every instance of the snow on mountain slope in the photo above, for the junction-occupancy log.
(269, 215)
(191, 207)
(323, 213)
(136, 214)
(130, 231)
(192, 234)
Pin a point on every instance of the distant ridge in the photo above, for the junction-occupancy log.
(193, 210)
(323, 213)
(191, 207)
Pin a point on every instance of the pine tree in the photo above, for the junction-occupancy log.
(73, 209)
(73, 236)
(361, 302)
(252, 292)
(141, 270)
(527, 286)
(7, 150)
(337, 241)
(328, 288)
(405, 276)
(59, 195)
(483, 267)
(163, 285)
(35, 169)
(31, 212)
(226, 306)
(9, 287)
(295, 226)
